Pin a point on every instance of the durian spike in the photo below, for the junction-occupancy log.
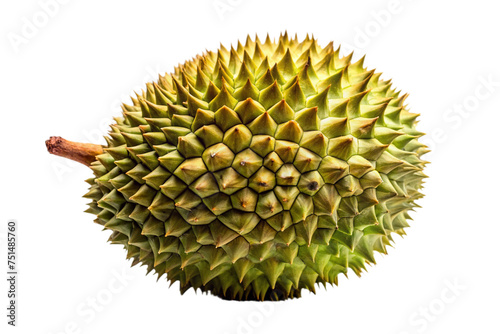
(80, 152)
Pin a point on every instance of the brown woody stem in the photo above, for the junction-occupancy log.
(80, 152)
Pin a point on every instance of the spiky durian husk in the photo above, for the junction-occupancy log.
(255, 172)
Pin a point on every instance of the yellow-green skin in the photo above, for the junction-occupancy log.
(255, 172)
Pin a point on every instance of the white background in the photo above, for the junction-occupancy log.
(68, 75)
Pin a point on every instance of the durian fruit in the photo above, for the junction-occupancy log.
(257, 171)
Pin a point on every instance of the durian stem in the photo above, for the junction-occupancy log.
(81, 152)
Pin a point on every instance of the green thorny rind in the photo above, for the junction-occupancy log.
(260, 170)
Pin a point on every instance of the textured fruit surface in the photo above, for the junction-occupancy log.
(260, 170)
